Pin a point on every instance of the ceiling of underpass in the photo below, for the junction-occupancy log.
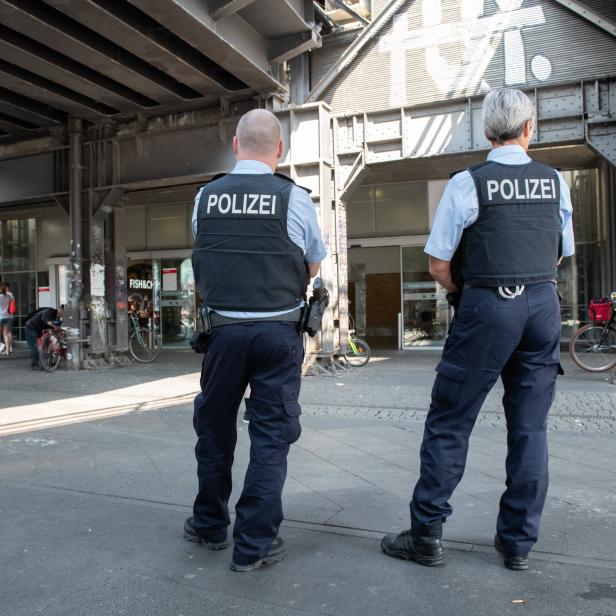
(105, 59)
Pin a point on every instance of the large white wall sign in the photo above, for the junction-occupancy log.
(478, 32)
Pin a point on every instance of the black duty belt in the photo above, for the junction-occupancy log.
(289, 317)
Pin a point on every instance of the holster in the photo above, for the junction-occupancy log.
(200, 339)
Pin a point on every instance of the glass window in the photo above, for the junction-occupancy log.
(167, 226)
(23, 287)
(426, 313)
(360, 214)
(18, 239)
(136, 231)
(388, 209)
(401, 209)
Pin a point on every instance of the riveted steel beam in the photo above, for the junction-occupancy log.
(224, 8)
(230, 42)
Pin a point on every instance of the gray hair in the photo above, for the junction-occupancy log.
(258, 131)
(505, 112)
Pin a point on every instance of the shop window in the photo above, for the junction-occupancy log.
(18, 245)
(401, 209)
(135, 229)
(360, 214)
(53, 240)
(388, 210)
(167, 226)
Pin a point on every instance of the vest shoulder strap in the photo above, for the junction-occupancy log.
(470, 169)
(288, 179)
(216, 177)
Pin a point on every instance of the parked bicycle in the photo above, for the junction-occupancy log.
(358, 351)
(144, 343)
(593, 347)
(53, 348)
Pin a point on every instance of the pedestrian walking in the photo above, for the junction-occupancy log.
(257, 243)
(8, 310)
(499, 233)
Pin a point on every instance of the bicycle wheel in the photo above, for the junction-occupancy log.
(144, 345)
(49, 352)
(360, 356)
(593, 348)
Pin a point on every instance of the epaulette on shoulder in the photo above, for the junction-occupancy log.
(288, 179)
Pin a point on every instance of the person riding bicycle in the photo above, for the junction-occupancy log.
(42, 319)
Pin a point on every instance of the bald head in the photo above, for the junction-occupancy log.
(258, 134)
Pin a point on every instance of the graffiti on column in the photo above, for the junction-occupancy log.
(477, 35)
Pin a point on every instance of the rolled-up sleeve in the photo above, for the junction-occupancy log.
(566, 217)
(195, 213)
(303, 226)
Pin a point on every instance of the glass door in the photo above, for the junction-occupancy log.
(426, 314)
(177, 301)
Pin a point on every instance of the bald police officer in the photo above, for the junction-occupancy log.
(508, 223)
(257, 242)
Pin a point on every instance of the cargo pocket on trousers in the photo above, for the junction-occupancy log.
(293, 428)
(448, 383)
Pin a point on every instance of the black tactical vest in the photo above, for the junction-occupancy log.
(243, 259)
(517, 237)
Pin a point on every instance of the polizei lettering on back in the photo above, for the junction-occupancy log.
(242, 204)
(521, 189)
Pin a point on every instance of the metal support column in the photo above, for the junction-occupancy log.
(73, 315)
(98, 309)
(118, 280)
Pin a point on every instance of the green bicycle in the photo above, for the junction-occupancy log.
(358, 351)
(144, 343)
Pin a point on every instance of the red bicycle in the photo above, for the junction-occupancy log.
(593, 347)
(53, 347)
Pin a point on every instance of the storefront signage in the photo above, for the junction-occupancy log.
(135, 283)
(170, 279)
(44, 296)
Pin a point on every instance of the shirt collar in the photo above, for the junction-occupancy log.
(251, 166)
(509, 154)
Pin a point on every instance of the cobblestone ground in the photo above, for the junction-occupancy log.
(396, 387)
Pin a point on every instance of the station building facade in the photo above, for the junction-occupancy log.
(405, 95)
(375, 120)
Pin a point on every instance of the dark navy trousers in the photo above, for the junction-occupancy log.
(268, 356)
(518, 340)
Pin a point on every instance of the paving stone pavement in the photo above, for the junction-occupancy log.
(93, 497)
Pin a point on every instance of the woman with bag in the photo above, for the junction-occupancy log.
(7, 311)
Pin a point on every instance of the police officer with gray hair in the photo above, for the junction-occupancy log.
(499, 233)
(257, 243)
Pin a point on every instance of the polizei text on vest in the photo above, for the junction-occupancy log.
(243, 203)
(521, 189)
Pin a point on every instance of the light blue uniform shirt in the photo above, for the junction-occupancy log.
(302, 227)
(459, 207)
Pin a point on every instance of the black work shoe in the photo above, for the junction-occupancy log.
(423, 549)
(190, 534)
(513, 562)
(275, 554)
